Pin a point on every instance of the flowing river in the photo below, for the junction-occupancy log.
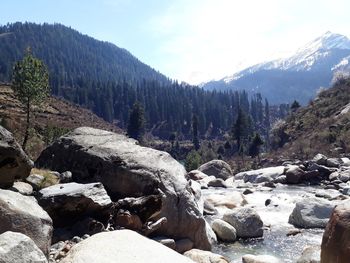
(275, 217)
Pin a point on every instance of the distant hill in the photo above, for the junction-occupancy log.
(321, 127)
(295, 78)
(56, 117)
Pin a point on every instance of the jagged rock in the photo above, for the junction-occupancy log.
(323, 170)
(22, 188)
(224, 231)
(121, 246)
(14, 163)
(18, 248)
(36, 181)
(67, 203)
(311, 213)
(129, 170)
(310, 254)
(246, 222)
(201, 256)
(217, 168)
(261, 175)
(294, 174)
(260, 259)
(218, 182)
(19, 213)
(336, 238)
(320, 159)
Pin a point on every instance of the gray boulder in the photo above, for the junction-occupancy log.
(218, 182)
(201, 256)
(129, 170)
(36, 181)
(294, 174)
(18, 248)
(246, 222)
(19, 213)
(261, 175)
(320, 159)
(217, 168)
(66, 203)
(224, 231)
(14, 163)
(311, 213)
(121, 246)
(333, 162)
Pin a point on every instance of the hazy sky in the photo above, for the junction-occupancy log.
(193, 40)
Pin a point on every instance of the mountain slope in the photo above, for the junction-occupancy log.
(297, 77)
(70, 55)
(323, 126)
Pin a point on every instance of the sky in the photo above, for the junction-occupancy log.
(193, 40)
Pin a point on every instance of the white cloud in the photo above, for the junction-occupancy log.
(201, 40)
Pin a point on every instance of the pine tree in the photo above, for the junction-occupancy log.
(295, 105)
(30, 83)
(240, 130)
(254, 148)
(195, 138)
(136, 123)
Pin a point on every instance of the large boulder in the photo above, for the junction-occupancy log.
(19, 213)
(14, 163)
(261, 175)
(67, 203)
(201, 256)
(129, 170)
(18, 248)
(336, 238)
(122, 246)
(311, 213)
(310, 254)
(246, 222)
(294, 174)
(217, 168)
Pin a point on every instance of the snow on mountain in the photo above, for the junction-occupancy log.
(306, 58)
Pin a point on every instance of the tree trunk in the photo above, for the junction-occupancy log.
(26, 134)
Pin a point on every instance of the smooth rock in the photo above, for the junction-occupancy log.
(129, 170)
(336, 238)
(67, 203)
(22, 188)
(14, 163)
(224, 231)
(19, 213)
(228, 200)
(122, 246)
(310, 254)
(246, 222)
(294, 174)
(196, 175)
(333, 162)
(209, 208)
(183, 245)
(201, 256)
(65, 177)
(260, 259)
(36, 181)
(218, 182)
(311, 213)
(217, 168)
(320, 159)
(18, 248)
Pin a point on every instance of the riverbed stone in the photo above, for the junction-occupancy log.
(294, 174)
(196, 175)
(19, 213)
(228, 200)
(201, 256)
(217, 182)
(320, 159)
(261, 175)
(224, 231)
(336, 238)
(18, 248)
(22, 188)
(217, 168)
(311, 213)
(260, 259)
(246, 221)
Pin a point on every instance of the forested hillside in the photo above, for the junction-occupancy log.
(109, 80)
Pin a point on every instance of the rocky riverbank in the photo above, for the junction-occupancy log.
(106, 183)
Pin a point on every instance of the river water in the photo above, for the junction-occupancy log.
(275, 217)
